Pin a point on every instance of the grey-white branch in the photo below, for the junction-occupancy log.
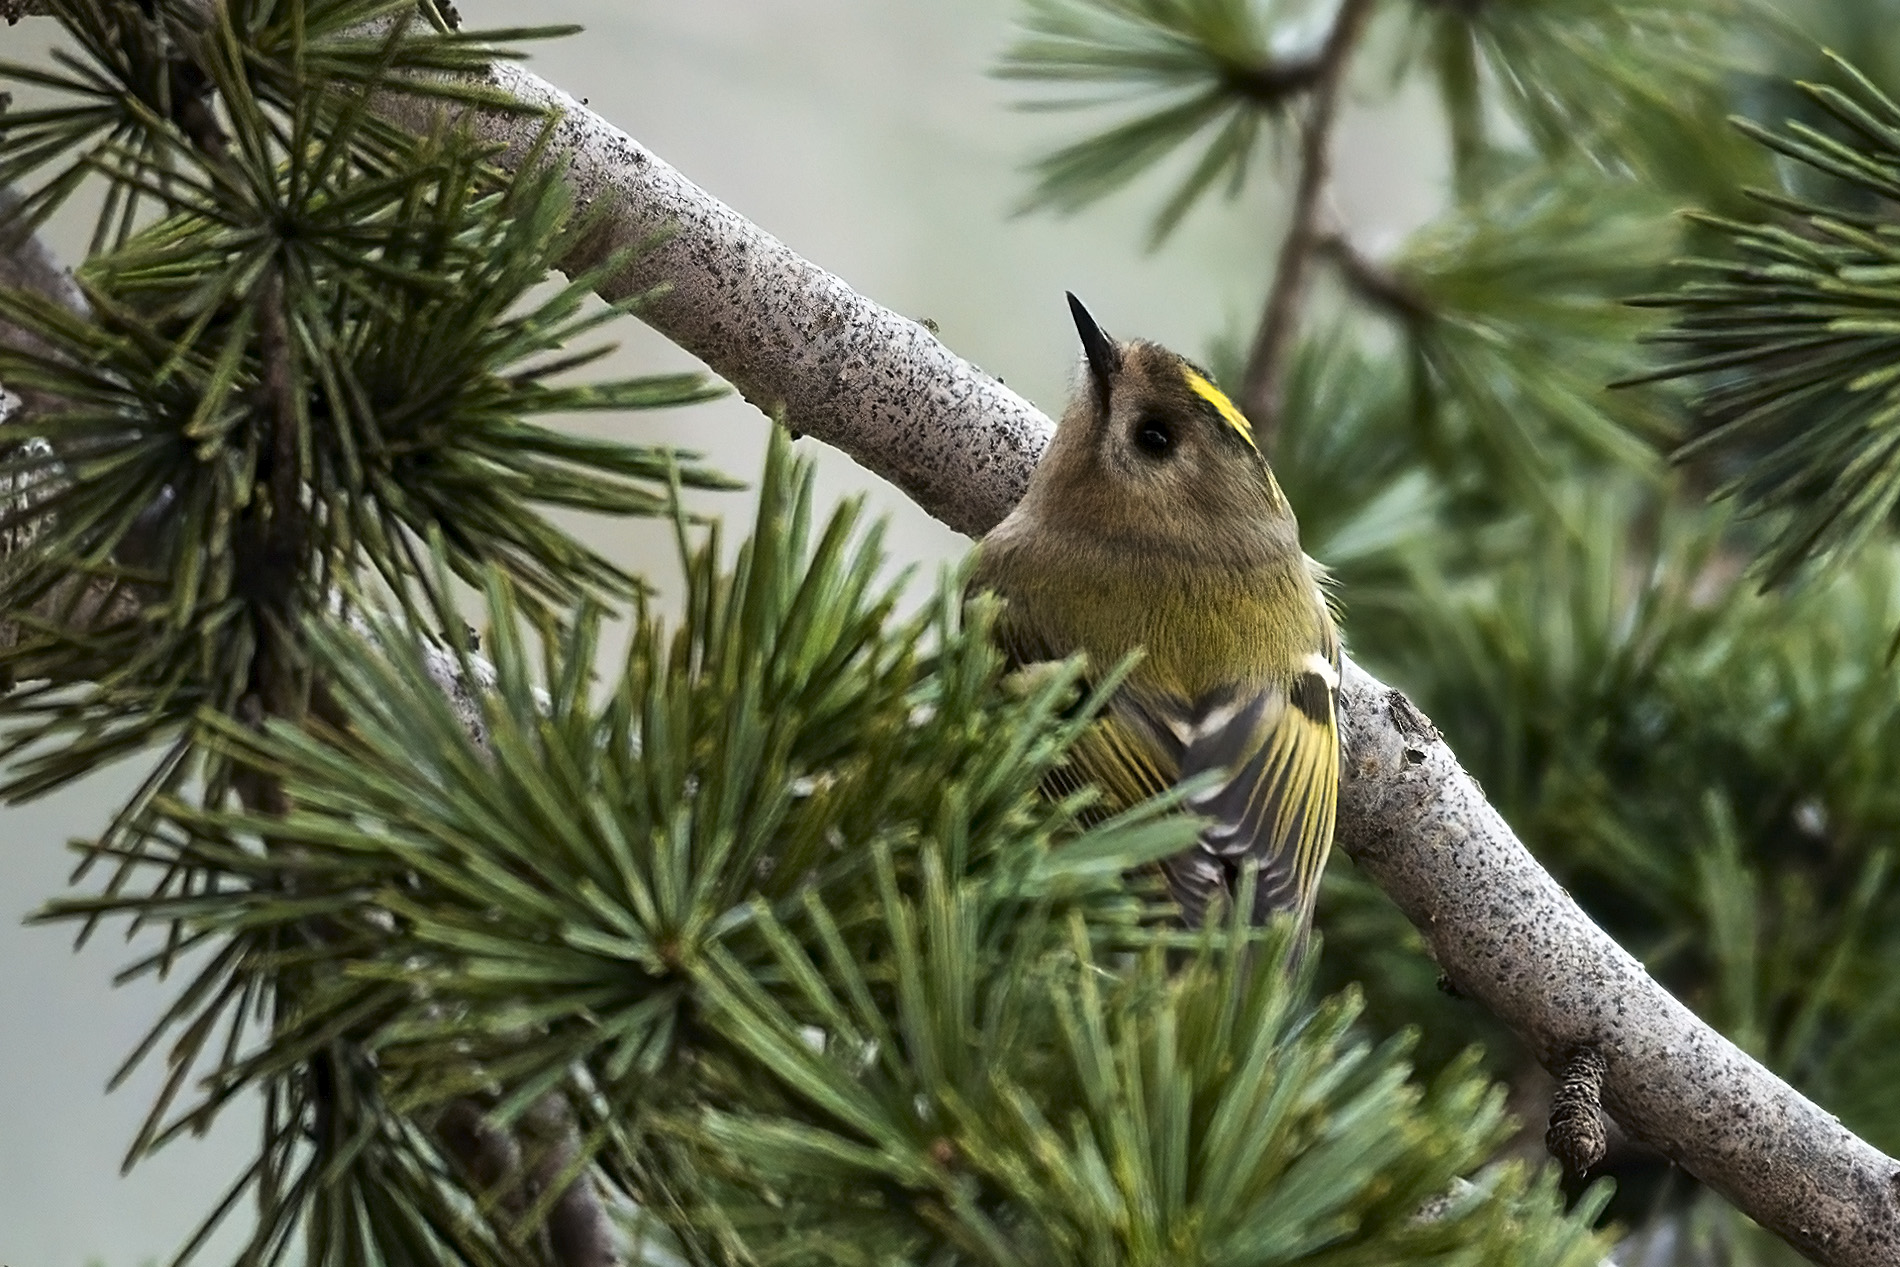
(838, 367)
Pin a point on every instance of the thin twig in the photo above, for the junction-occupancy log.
(1272, 82)
(1373, 281)
(1261, 388)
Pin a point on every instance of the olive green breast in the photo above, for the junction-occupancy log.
(1203, 624)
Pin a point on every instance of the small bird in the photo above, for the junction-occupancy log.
(1154, 523)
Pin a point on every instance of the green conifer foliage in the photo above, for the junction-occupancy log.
(815, 1000)
(1793, 339)
(311, 356)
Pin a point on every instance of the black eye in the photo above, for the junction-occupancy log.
(1154, 437)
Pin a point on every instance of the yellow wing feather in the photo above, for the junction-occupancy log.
(1278, 744)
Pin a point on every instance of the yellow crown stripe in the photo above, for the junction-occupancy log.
(1225, 407)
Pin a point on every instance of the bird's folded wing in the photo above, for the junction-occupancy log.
(1279, 748)
(1132, 751)
(1276, 749)
(1129, 753)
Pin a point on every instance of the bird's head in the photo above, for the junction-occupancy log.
(1150, 446)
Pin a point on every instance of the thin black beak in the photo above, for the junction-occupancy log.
(1105, 359)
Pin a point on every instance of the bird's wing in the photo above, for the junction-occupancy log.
(1278, 746)
(1133, 750)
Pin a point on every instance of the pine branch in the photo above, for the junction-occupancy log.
(1207, 76)
(1790, 338)
(857, 376)
(576, 1231)
(1265, 380)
